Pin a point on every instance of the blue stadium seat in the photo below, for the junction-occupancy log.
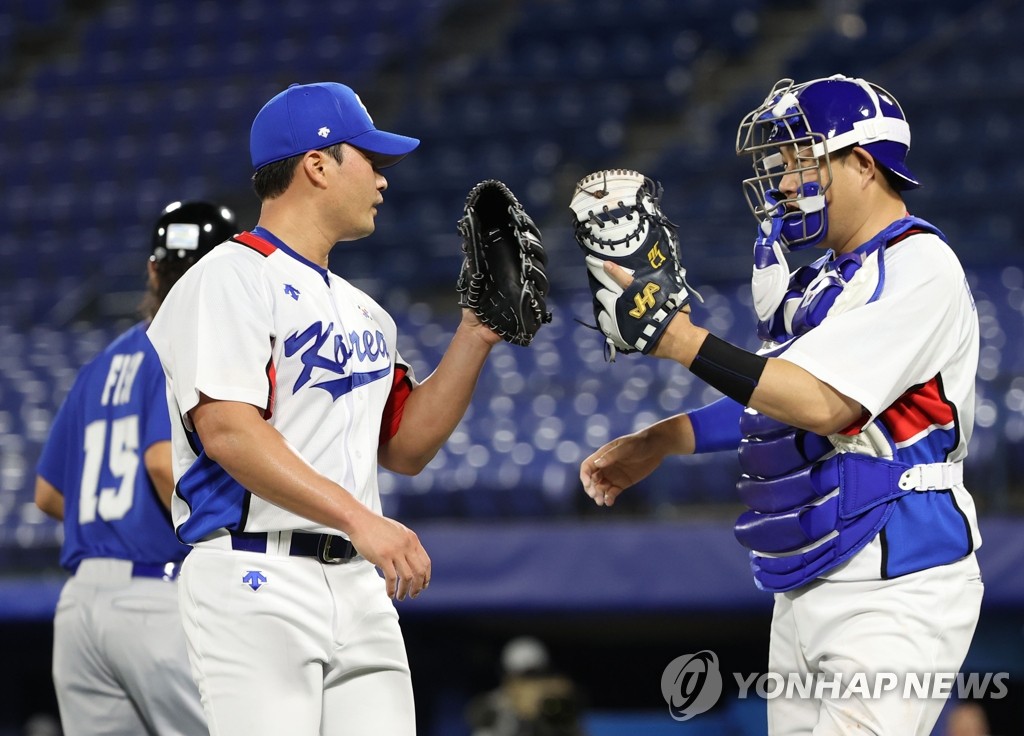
(159, 97)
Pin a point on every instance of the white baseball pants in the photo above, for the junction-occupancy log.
(288, 645)
(918, 623)
(119, 662)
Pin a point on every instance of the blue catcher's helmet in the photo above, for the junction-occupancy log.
(818, 118)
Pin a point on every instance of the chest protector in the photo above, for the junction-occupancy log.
(816, 501)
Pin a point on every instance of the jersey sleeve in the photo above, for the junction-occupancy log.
(401, 387)
(56, 461)
(214, 333)
(403, 383)
(716, 426)
(875, 352)
(156, 422)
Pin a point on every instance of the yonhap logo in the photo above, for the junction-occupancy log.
(691, 684)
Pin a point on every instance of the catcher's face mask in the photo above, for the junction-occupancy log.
(814, 120)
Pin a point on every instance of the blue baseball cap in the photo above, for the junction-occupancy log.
(306, 117)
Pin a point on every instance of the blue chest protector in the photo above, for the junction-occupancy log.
(816, 289)
(813, 506)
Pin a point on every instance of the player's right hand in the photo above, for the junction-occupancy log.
(618, 465)
(396, 550)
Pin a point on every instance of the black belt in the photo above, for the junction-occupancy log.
(328, 548)
(168, 571)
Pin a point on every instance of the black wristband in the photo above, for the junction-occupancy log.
(732, 370)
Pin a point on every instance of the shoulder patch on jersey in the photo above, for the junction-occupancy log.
(255, 242)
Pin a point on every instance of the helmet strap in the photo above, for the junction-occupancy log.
(808, 225)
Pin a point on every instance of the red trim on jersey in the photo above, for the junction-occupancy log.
(903, 235)
(855, 428)
(255, 242)
(272, 390)
(921, 407)
(401, 387)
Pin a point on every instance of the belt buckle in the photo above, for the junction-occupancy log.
(323, 550)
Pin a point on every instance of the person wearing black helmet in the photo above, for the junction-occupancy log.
(185, 232)
(119, 658)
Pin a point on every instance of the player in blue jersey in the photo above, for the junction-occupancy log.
(852, 422)
(119, 660)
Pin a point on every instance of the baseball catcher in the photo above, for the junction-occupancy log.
(617, 217)
(851, 422)
(503, 278)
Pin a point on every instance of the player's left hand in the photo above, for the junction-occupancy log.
(503, 279)
(617, 217)
(623, 279)
(619, 275)
(471, 322)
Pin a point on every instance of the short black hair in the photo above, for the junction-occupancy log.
(273, 179)
(894, 182)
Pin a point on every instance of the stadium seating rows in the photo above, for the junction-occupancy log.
(152, 100)
(538, 411)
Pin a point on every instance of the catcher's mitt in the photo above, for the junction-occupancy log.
(503, 278)
(618, 218)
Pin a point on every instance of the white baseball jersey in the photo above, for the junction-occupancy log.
(902, 340)
(910, 358)
(255, 322)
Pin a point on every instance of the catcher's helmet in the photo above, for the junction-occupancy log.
(819, 118)
(186, 231)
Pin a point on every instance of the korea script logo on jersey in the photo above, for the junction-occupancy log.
(366, 347)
